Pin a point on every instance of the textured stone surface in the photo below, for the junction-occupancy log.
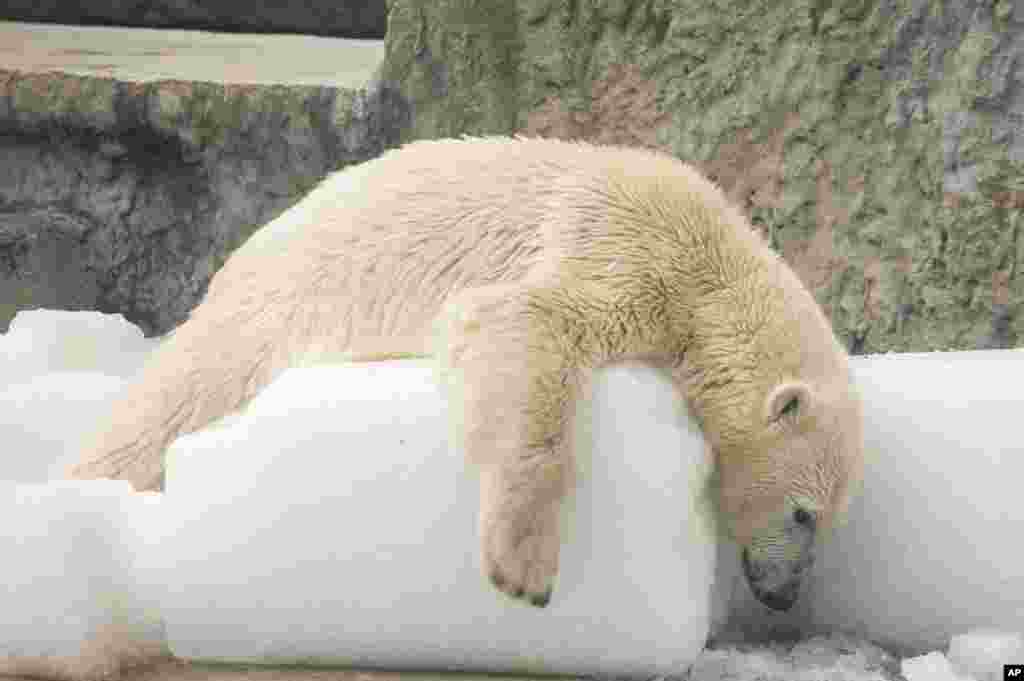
(124, 192)
(345, 18)
(877, 144)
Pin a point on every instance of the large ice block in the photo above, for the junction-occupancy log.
(933, 544)
(332, 522)
(72, 599)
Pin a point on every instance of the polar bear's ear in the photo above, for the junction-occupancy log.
(788, 402)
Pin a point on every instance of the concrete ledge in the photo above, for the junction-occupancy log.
(347, 18)
(168, 148)
(145, 55)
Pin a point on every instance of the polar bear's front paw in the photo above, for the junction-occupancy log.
(520, 551)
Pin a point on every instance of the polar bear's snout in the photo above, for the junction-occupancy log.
(775, 580)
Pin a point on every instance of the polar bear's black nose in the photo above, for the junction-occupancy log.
(775, 585)
(781, 599)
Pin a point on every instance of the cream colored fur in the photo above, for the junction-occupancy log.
(522, 265)
(107, 654)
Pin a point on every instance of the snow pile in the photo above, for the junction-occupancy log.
(72, 599)
(70, 588)
(44, 418)
(978, 655)
(981, 654)
(823, 658)
(931, 667)
(59, 371)
(975, 656)
(40, 342)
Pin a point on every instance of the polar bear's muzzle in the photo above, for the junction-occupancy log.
(776, 583)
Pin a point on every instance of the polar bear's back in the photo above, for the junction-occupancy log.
(391, 238)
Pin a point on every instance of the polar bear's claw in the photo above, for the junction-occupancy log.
(520, 552)
(541, 600)
(497, 580)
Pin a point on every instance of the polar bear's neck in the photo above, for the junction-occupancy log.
(702, 293)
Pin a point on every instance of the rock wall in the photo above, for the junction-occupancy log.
(126, 197)
(343, 18)
(878, 145)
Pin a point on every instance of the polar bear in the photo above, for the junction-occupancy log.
(522, 265)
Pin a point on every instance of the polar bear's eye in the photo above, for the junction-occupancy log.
(803, 517)
(790, 407)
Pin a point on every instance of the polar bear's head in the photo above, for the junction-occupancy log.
(783, 492)
(783, 416)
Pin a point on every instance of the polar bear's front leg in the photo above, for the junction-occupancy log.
(519, 528)
(511, 389)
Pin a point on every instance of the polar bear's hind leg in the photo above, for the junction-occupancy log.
(184, 386)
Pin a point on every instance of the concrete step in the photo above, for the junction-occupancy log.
(165, 149)
(139, 55)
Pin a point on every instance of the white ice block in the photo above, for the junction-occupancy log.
(933, 546)
(43, 421)
(982, 653)
(44, 341)
(333, 523)
(69, 588)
